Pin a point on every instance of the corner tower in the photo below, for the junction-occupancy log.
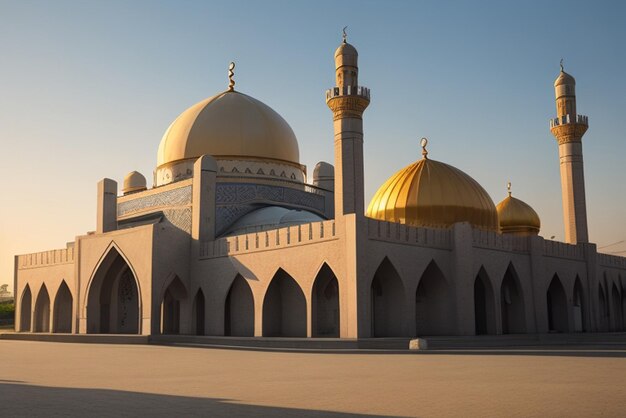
(568, 128)
(348, 101)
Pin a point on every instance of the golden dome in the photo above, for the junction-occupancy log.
(230, 124)
(517, 217)
(431, 193)
(564, 78)
(134, 182)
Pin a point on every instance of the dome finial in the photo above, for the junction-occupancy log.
(423, 143)
(508, 188)
(231, 73)
(562, 65)
(345, 35)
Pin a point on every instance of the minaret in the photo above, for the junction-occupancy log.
(348, 101)
(568, 128)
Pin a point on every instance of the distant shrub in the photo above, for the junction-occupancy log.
(7, 310)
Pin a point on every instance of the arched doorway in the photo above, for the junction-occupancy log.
(239, 309)
(62, 316)
(42, 311)
(616, 309)
(434, 312)
(512, 303)
(284, 308)
(579, 307)
(387, 302)
(557, 306)
(603, 308)
(484, 306)
(25, 309)
(113, 301)
(170, 308)
(197, 314)
(325, 304)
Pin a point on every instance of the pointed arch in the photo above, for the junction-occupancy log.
(616, 309)
(623, 304)
(113, 298)
(484, 304)
(603, 309)
(198, 312)
(579, 306)
(434, 312)
(557, 306)
(239, 309)
(284, 308)
(325, 304)
(512, 303)
(387, 302)
(26, 309)
(42, 311)
(174, 294)
(62, 313)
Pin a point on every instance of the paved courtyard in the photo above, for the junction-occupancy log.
(57, 379)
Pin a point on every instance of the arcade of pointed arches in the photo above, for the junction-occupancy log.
(499, 307)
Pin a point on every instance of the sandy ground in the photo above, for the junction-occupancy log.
(57, 379)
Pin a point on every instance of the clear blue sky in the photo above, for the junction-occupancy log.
(88, 89)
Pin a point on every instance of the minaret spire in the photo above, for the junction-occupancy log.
(348, 101)
(568, 128)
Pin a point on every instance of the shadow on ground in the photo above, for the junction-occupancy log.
(24, 400)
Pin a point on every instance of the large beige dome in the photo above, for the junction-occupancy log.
(230, 124)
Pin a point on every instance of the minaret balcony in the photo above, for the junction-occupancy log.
(358, 91)
(569, 119)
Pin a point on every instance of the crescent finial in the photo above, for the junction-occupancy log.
(423, 143)
(345, 35)
(561, 64)
(231, 74)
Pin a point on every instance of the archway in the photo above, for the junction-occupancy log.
(284, 308)
(325, 304)
(484, 304)
(557, 306)
(62, 316)
(25, 310)
(623, 308)
(387, 302)
(239, 309)
(42, 311)
(603, 309)
(616, 309)
(434, 312)
(113, 300)
(170, 308)
(512, 303)
(197, 314)
(579, 307)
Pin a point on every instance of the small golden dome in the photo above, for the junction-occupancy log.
(346, 49)
(517, 217)
(230, 124)
(564, 78)
(134, 182)
(433, 194)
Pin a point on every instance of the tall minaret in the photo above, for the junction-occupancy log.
(348, 101)
(568, 128)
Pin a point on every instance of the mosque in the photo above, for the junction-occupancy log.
(234, 239)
